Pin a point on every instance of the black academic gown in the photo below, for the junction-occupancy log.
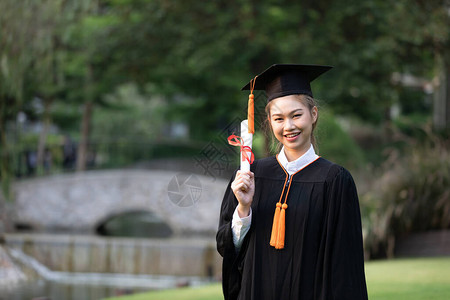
(322, 257)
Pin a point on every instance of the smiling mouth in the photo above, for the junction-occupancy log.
(291, 135)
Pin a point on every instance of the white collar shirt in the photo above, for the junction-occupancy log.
(294, 166)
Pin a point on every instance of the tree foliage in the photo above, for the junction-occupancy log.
(206, 51)
(199, 54)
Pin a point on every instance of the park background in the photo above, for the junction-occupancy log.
(89, 86)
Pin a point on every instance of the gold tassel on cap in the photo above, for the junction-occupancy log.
(251, 108)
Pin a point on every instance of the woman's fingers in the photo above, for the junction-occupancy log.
(240, 186)
(244, 174)
(244, 177)
(243, 183)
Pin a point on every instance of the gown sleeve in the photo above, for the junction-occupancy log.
(232, 258)
(224, 237)
(345, 255)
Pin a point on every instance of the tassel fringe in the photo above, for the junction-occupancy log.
(251, 114)
(251, 108)
(281, 228)
(278, 226)
(276, 218)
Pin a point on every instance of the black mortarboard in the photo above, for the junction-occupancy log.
(287, 79)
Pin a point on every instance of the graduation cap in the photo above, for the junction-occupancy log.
(281, 80)
(287, 79)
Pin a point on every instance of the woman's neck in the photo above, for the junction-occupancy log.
(293, 154)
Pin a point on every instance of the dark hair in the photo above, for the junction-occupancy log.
(310, 102)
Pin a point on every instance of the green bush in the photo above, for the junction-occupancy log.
(411, 195)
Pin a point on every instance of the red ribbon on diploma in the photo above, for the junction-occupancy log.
(235, 140)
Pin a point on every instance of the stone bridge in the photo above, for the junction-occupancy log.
(81, 202)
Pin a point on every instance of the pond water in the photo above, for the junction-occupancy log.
(45, 290)
(47, 284)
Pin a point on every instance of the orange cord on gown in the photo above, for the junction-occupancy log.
(279, 219)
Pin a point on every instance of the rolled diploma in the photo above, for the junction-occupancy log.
(247, 138)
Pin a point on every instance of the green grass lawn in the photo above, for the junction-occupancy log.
(409, 279)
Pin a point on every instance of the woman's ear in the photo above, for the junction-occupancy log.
(314, 113)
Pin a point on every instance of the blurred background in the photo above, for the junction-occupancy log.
(114, 117)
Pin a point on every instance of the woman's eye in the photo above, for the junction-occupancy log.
(297, 116)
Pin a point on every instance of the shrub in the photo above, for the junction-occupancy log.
(411, 195)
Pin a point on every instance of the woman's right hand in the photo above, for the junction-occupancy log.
(243, 188)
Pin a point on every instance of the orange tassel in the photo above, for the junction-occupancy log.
(251, 108)
(251, 114)
(276, 218)
(281, 228)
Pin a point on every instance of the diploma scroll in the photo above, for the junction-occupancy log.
(247, 139)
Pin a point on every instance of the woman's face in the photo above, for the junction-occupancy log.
(292, 124)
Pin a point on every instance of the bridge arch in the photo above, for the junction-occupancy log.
(134, 223)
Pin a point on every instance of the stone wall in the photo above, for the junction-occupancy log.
(90, 254)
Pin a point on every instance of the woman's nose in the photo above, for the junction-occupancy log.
(289, 124)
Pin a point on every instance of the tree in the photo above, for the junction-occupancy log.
(35, 51)
(423, 38)
(17, 34)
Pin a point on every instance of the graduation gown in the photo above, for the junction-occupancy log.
(322, 257)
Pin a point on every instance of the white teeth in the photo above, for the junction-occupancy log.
(292, 134)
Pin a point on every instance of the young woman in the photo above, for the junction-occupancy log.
(291, 228)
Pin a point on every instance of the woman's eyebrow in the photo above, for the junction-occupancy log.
(290, 113)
